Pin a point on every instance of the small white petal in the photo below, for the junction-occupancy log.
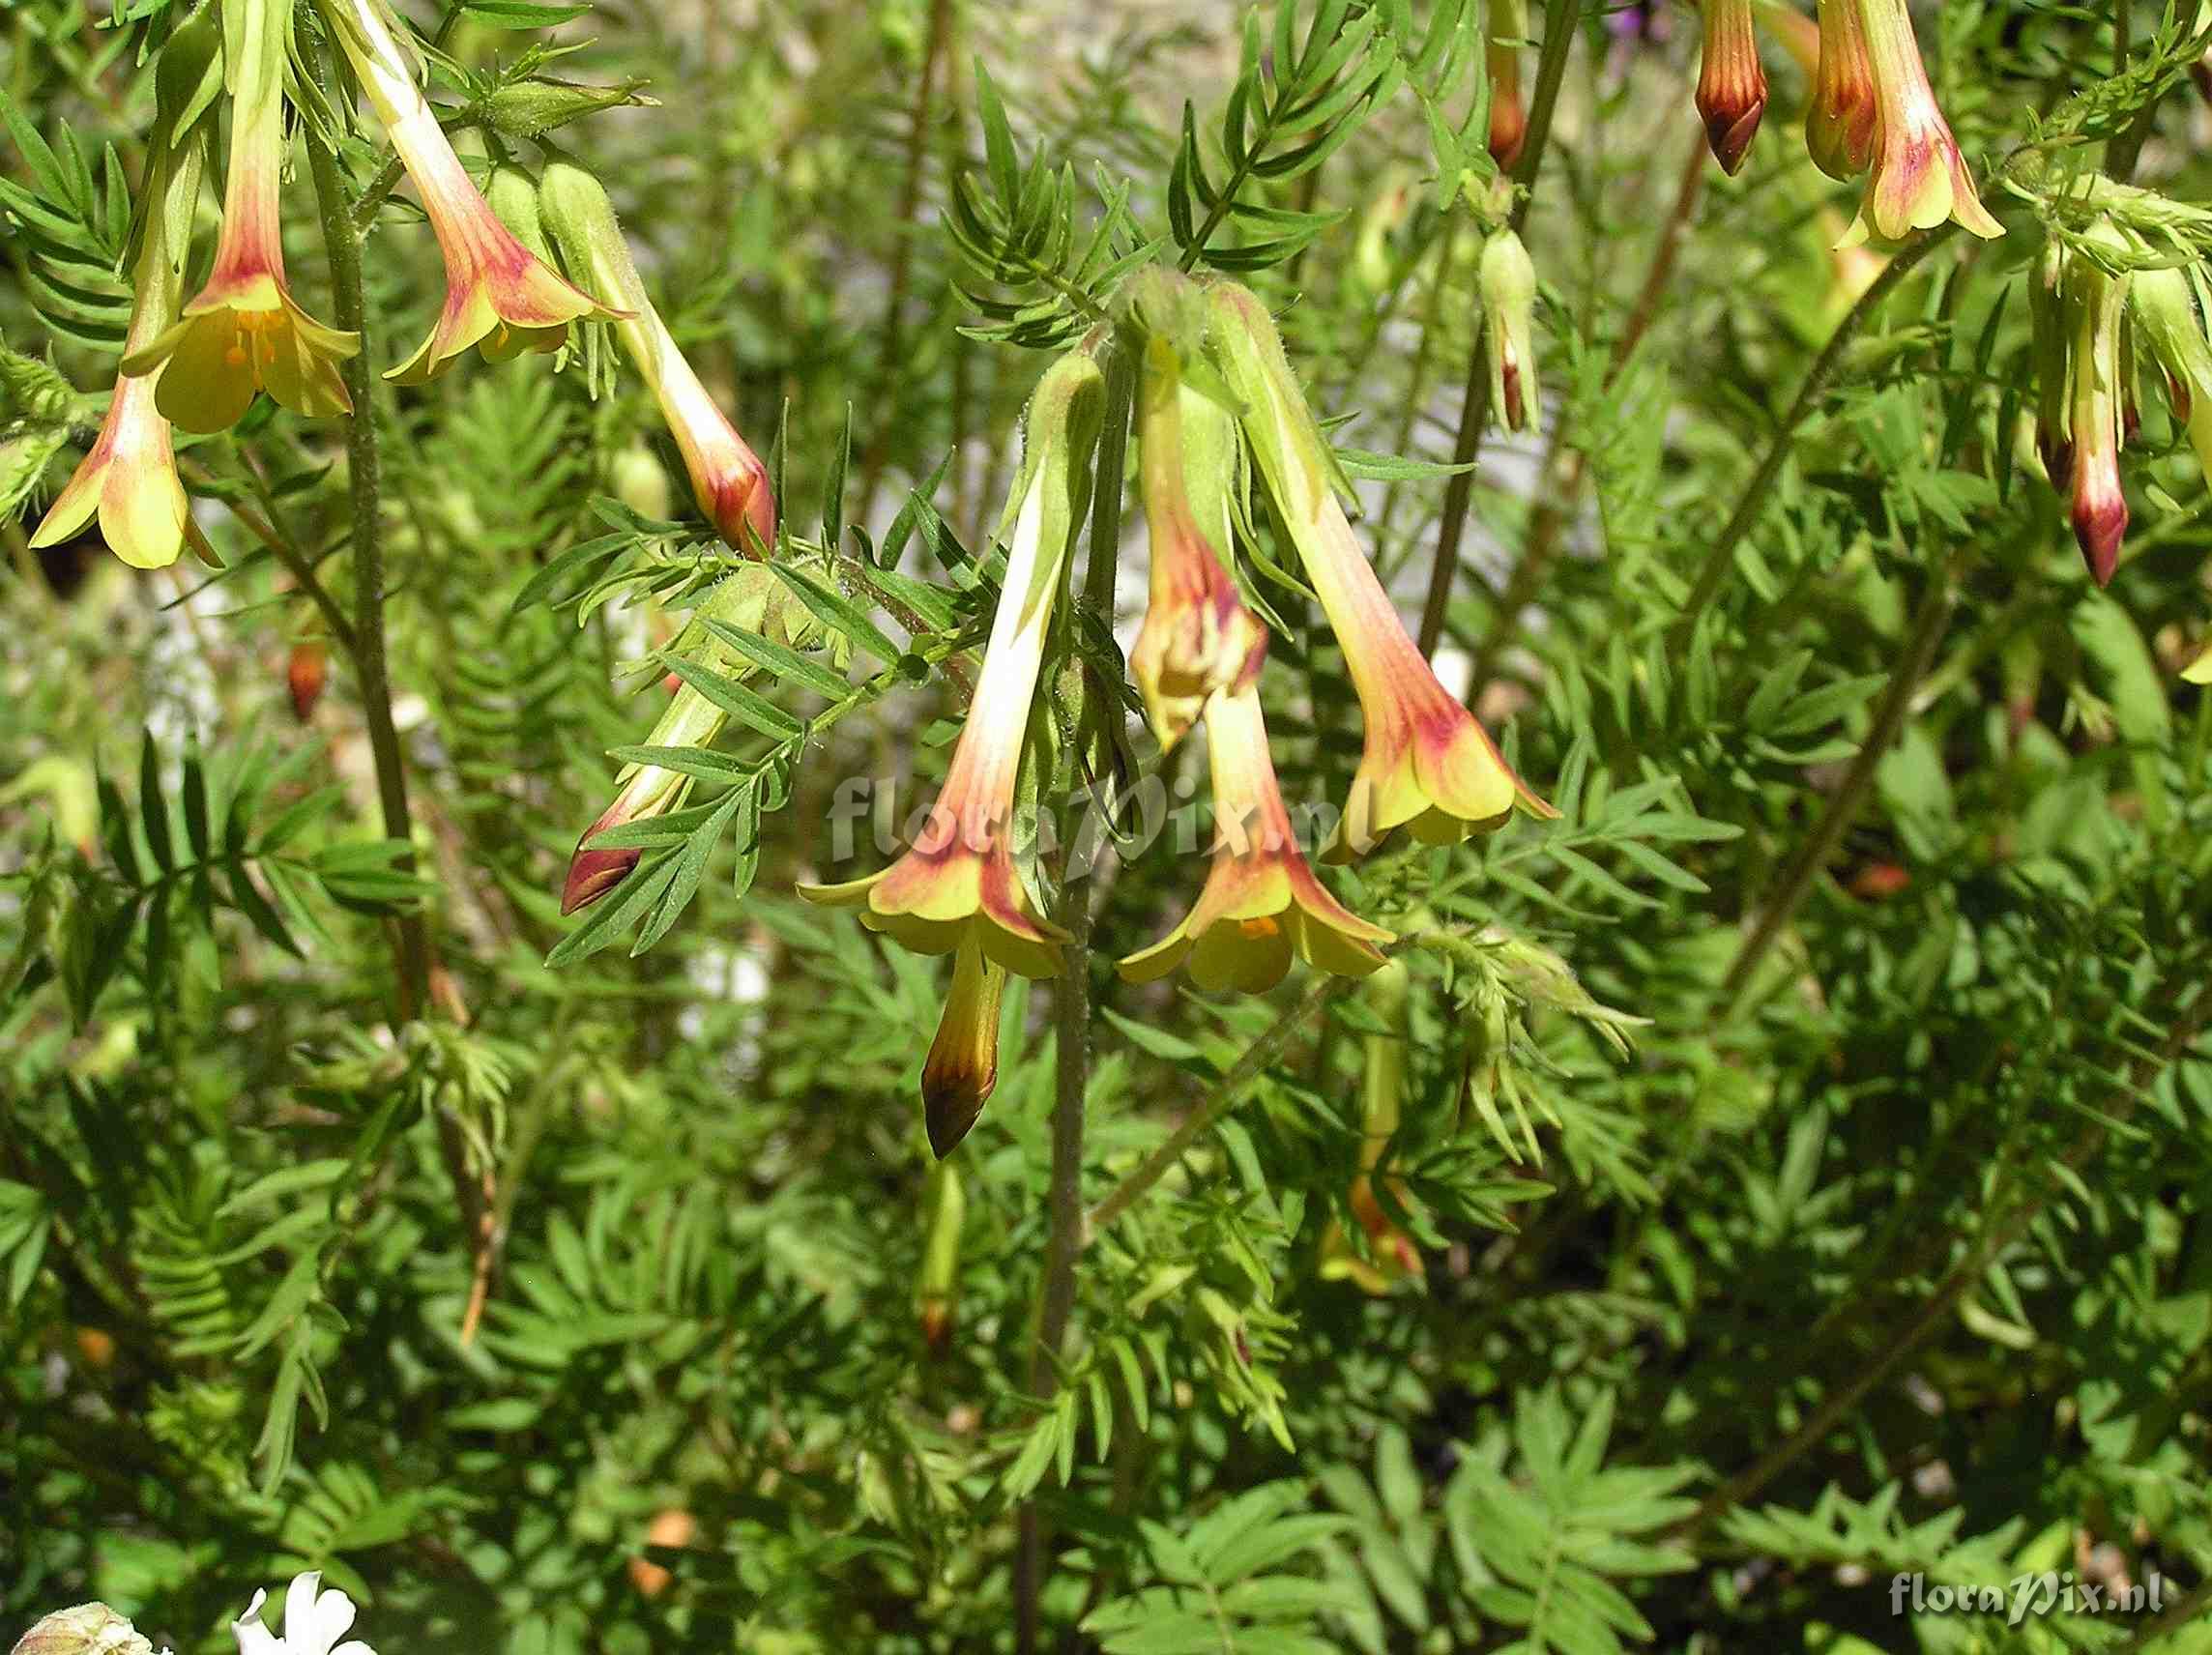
(314, 1619)
(254, 1637)
(354, 1648)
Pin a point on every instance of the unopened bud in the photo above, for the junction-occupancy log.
(963, 1063)
(2100, 511)
(2098, 506)
(937, 1296)
(34, 390)
(1732, 83)
(1382, 1080)
(1506, 281)
(728, 480)
(305, 673)
(689, 720)
(1508, 26)
(529, 107)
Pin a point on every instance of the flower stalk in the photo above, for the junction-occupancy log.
(1392, 1255)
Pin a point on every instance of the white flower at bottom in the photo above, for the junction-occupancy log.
(314, 1621)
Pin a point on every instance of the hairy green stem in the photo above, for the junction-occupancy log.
(1467, 446)
(1753, 500)
(1843, 808)
(473, 1193)
(2125, 149)
(341, 242)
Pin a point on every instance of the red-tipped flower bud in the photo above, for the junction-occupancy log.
(2098, 506)
(1732, 83)
(963, 1063)
(305, 673)
(1507, 283)
(1501, 54)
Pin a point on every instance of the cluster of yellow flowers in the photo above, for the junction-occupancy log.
(197, 364)
(1218, 411)
(1427, 765)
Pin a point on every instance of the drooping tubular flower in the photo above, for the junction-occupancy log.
(1506, 27)
(1260, 904)
(1919, 178)
(1427, 762)
(1732, 83)
(2094, 298)
(1198, 636)
(750, 598)
(642, 792)
(728, 480)
(957, 883)
(244, 332)
(2052, 335)
(1507, 280)
(963, 1063)
(494, 284)
(1840, 125)
(128, 479)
